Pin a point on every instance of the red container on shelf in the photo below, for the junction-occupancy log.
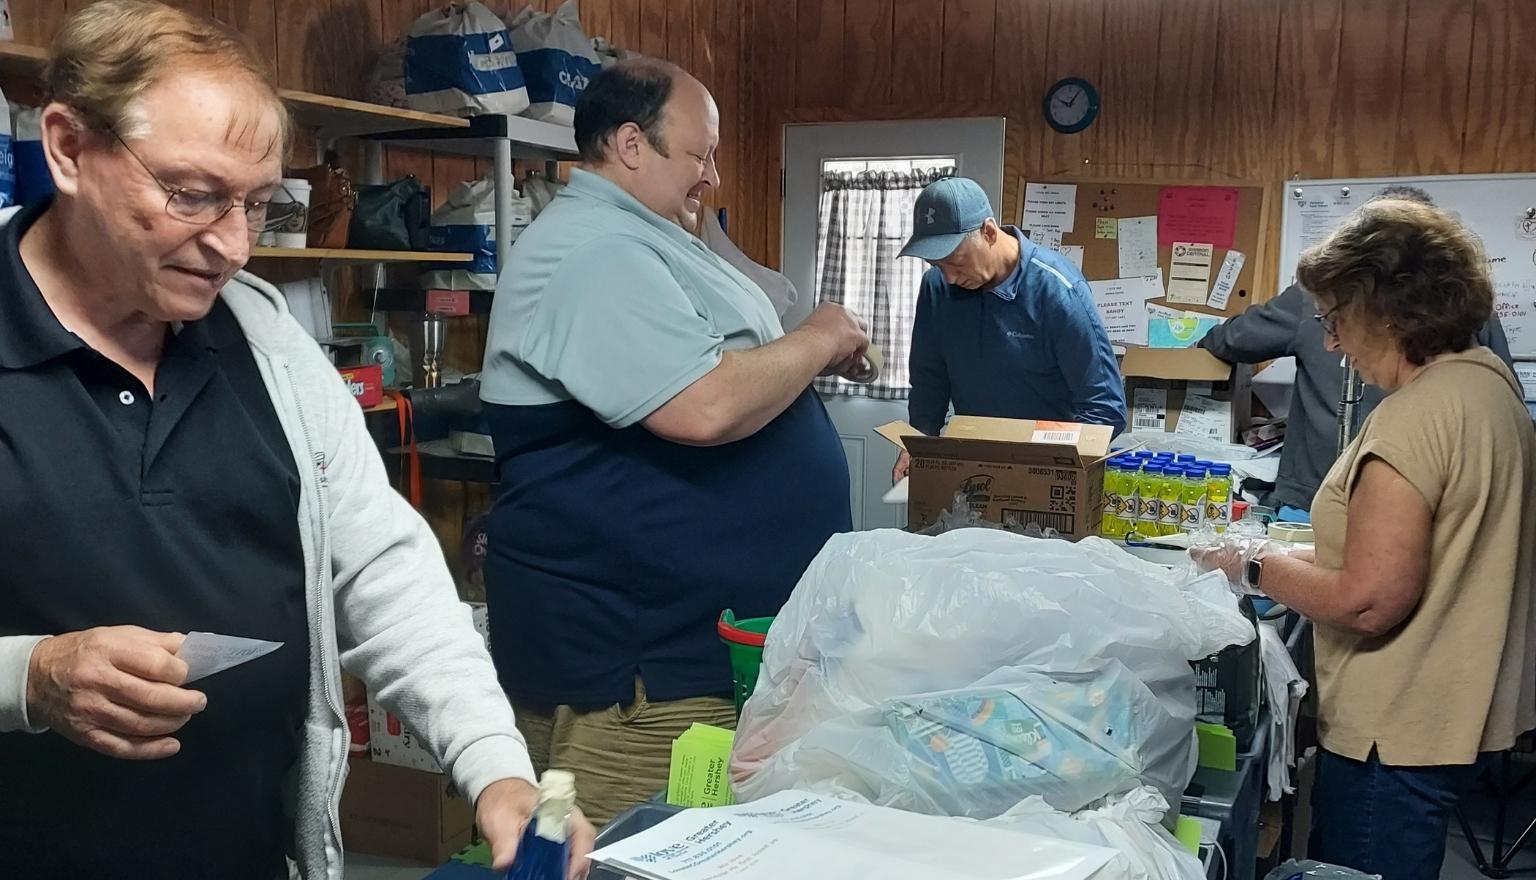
(366, 383)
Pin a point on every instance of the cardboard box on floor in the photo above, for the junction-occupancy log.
(1013, 471)
(1169, 387)
(401, 813)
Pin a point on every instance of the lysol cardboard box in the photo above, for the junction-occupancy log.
(1012, 471)
(402, 813)
(1187, 391)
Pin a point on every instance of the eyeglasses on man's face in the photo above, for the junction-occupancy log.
(207, 208)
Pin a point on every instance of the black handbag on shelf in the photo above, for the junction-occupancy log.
(391, 217)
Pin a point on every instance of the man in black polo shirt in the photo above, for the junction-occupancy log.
(176, 456)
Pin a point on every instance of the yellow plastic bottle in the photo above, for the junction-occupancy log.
(1149, 488)
(1218, 497)
(1170, 508)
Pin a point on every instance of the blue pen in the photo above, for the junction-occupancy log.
(545, 849)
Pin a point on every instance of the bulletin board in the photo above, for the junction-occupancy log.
(1231, 219)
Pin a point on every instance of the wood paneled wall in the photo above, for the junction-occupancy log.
(1252, 90)
(1214, 90)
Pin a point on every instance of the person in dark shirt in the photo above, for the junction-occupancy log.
(180, 461)
(1285, 327)
(662, 455)
(1004, 327)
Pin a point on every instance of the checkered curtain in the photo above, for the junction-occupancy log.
(864, 219)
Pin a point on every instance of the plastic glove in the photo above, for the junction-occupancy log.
(1231, 552)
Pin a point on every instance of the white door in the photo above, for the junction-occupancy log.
(974, 148)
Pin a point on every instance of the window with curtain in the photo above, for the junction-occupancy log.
(864, 218)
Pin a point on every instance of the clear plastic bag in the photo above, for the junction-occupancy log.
(1125, 823)
(886, 621)
(961, 515)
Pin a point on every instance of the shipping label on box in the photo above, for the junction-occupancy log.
(1188, 392)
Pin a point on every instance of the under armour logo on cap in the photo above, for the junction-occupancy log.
(946, 211)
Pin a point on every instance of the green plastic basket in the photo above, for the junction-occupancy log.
(745, 640)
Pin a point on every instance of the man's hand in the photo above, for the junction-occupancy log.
(844, 334)
(903, 466)
(115, 690)
(503, 811)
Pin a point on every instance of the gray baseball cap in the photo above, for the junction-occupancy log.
(947, 211)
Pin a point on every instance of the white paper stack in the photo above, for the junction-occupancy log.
(796, 834)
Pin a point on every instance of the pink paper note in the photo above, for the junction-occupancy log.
(1197, 213)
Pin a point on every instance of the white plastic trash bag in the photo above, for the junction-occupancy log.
(466, 223)
(886, 622)
(459, 60)
(557, 61)
(1070, 738)
(1127, 824)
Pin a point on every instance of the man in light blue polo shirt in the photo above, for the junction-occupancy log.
(1004, 327)
(662, 456)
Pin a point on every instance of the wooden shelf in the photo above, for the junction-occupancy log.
(440, 461)
(389, 404)
(335, 117)
(355, 256)
(341, 117)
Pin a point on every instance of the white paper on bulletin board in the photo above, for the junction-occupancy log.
(1499, 208)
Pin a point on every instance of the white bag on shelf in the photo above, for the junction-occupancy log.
(557, 61)
(459, 60)
(466, 223)
(7, 157)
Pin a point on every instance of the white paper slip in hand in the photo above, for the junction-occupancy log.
(897, 494)
(208, 653)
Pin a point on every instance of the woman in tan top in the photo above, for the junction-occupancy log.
(1420, 588)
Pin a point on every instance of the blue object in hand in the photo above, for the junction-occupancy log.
(545, 849)
(539, 858)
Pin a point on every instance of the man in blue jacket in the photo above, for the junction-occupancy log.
(1004, 327)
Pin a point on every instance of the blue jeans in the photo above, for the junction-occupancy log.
(1384, 819)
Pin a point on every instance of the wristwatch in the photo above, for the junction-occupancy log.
(1254, 573)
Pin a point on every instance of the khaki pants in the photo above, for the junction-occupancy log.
(621, 755)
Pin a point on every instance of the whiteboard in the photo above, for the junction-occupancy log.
(1499, 208)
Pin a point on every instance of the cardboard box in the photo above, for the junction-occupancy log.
(403, 814)
(1013, 471)
(1167, 388)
